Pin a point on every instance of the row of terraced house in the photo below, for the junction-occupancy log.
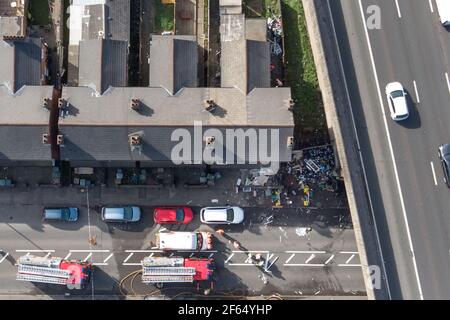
(98, 120)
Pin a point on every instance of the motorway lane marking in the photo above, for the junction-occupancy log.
(434, 173)
(380, 97)
(4, 257)
(398, 9)
(361, 159)
(417, 91)
(431, 5)
(448, 81)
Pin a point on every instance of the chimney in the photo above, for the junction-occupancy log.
(46, 139)
(46, 103)
(60, 140)
(62, 103)
(210, 105)
(135, 141)
(210, 141)
(135, 104)
(290, 142)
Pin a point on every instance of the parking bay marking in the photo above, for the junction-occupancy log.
(4, 257)
(434, 173)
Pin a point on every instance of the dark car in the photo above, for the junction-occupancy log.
(444, 156)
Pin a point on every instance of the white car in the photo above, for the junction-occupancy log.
(222, 215)
(396, 97)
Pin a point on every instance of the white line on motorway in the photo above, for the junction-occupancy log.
(417, 91)
(434, 173)
(366, 182)
(398, 9)
(380, 97)
(431, 5)
(448, 82)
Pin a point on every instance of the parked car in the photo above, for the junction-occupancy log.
(396, 97)
(173, 215)
(444, 157)
(121, 214)
(60, 214)
(180, 240)
(222, 215)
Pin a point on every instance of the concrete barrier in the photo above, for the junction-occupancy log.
(337, 111)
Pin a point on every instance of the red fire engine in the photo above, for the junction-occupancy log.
(73, 274)
(176, 269)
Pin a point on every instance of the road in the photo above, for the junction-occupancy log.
(325, 262)
(405, 178)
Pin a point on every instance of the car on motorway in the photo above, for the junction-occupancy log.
(60, 214)
(121, 214)
(396, 97)
(222, 215)
(173, 215)
(444, 157)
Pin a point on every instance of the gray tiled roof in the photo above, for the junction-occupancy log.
(103, 63)
(258, 64)
(23, 120)
(20, 63)
(173, 62)
(110, 143)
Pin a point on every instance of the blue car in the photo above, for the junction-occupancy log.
(60, 214)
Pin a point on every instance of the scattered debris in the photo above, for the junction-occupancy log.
(301, 232)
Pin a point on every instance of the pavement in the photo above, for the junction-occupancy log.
(405, 180)
(325, 262)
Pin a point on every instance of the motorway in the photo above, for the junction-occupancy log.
(408, 195)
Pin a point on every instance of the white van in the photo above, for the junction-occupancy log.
(176, 240)
(443, 7)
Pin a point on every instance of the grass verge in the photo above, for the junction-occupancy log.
(164, 17)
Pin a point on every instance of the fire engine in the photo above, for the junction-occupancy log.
(176, 269)
(73, 274)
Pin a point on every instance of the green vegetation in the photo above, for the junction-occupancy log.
(39, 13)
(164, 16)
(301, 75)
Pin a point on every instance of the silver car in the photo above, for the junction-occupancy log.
(121, 214)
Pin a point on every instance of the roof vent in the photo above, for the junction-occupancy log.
(62, 103)
(210, 105)
(135, 103)
(46, 103)
(101, 33)
(45, 138)
(290, 142)
(60, 140)
(135, 140)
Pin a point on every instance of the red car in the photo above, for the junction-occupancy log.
(173, 215)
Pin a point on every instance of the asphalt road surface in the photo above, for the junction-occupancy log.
(409, 197)
(325, 262)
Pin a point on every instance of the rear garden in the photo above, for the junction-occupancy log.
(309, 114)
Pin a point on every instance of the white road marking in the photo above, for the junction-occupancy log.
(310, 258)
(89, 251)
(317, 252)
(434, 173)
(380, 97)
(304, 265)
(349, 265)
(31, 251)
(68, 255)
(431, 5)
(329, 259)
(448, 81)
(128, 258)
(4, 257)
(210, 256)
(349, 259)
(274, 260)
(88, 256)
(144, 251)
(361, 159)
(417, 91)
(398, 9)
(290, 258)
(349, 252)
(229, 258)
(48, 254)
(107, 258)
